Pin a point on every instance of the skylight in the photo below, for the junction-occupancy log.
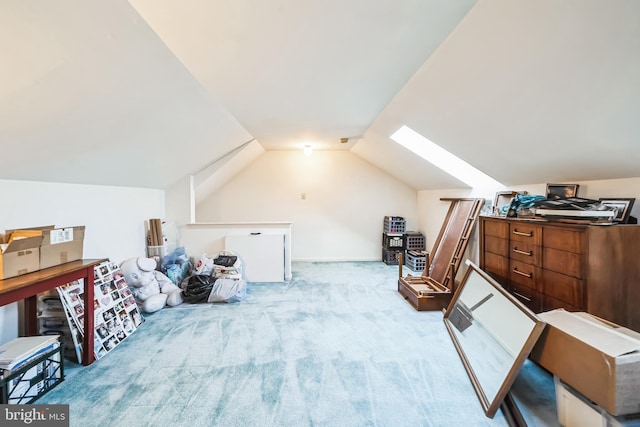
(443, 159)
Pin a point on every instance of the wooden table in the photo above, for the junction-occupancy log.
(28, 286)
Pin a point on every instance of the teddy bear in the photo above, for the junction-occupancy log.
(152, 289)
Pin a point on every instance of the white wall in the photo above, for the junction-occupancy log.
(114, 219)
(180, 202)
(342, 214)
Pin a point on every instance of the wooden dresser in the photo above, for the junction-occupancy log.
(579, 267)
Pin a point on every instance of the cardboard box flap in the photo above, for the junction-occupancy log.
(30, 229)
(22, 244)
(54, 235)
(603, 338)
(42, 227)
(22, 234)
(621, 329)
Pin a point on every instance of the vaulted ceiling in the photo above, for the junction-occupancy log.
(145, 92)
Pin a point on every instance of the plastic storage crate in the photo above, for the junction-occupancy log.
(415, 260)
(394, 224)
(390, 257)
(52, 320)
(414, 241)
(393, 241)
(27, 383)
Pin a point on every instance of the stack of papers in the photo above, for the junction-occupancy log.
(19, 351)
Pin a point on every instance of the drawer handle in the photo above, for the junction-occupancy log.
(520, 233)
(522, 296)
(518, 251)
(527, 275)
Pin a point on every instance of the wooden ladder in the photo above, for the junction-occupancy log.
(453, 240)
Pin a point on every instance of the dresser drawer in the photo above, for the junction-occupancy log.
(563, 288)
(530, 298)
(525, 232)
(497, 266)
(549, 303)
(496, 245)
(566, 240)
(524, 274)
(498, 228)
(567, 263)
(525, 252)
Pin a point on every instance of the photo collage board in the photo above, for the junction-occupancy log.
(116, 314)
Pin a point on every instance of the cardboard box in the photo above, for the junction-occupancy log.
(574, 410)
(599, 359)
(61, 245)
(20, 254)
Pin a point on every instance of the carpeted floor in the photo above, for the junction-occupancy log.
(335, 346)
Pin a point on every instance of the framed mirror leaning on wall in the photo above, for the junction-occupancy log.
(493, 334)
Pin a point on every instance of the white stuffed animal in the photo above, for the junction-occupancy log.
(152, 289)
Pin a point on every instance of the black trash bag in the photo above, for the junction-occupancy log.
(196, 288)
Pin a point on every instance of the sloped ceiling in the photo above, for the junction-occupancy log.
(296, 72)
(142, 93)
(528, 92)
(90, 94)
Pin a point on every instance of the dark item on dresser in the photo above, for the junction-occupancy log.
(623, 206)
(503, 200)
(561, 191)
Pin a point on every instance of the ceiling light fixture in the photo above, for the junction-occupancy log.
(344, 140)
(307, 150)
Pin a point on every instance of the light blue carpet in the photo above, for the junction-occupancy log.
(335, 346)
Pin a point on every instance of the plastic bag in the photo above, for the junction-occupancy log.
(176, 266)
(227, 265)
(228, 290)
(204, 265)
(196, 288)
(205, 288)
